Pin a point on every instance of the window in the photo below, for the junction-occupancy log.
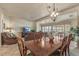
(49, 28)
(42, 29)
(55, 28)
(60, 28)
(67, 28)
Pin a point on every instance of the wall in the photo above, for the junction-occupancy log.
(75, 21)
(43, 21)
(59, 19)
(1, 18)
(64, 16)
(18, 24)
(0, 30)
(15, 24)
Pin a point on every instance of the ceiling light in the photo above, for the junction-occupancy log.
(53, 12)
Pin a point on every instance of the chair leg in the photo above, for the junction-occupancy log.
(61, 53)
(68, 51)
(65, 53)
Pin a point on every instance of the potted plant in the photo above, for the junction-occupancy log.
(33, 31)
(72, 30)
(75, 31)
(77, 35)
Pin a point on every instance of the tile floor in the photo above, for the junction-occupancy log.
(9, 50)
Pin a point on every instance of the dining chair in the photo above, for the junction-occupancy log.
(38, 35)
(68, 43)
(21, 45)
(30, 36)
(62, 50)
(22, 48)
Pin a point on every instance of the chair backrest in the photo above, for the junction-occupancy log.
(69, 38)
(34, 35)
(64, 43)
(38, 35)
(30, 36)
(63, 47)
(21, 46)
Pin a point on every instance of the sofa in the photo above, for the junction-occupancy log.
(8, 38)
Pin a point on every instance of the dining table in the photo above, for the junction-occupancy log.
(43, 47)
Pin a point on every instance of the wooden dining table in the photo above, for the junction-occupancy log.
(43, 47)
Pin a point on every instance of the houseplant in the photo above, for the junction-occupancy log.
(72, 30)
(33, 30)
(75, 31)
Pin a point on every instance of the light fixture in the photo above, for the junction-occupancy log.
(53, 11)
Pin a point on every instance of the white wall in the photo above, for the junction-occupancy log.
(43, 21)
(59, 19)
(15, 23)
(18, 24)
(0, 29)
(65, 16)
(1, 18)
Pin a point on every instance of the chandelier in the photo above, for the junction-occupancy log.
(53, 11)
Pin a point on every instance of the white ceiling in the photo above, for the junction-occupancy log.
(30, 11)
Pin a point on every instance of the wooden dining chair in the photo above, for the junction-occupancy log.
(21, 45)
(62, 50)
(65, 45)
(22, 48)
(68, 43)
(30, 36)
(38, 36)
